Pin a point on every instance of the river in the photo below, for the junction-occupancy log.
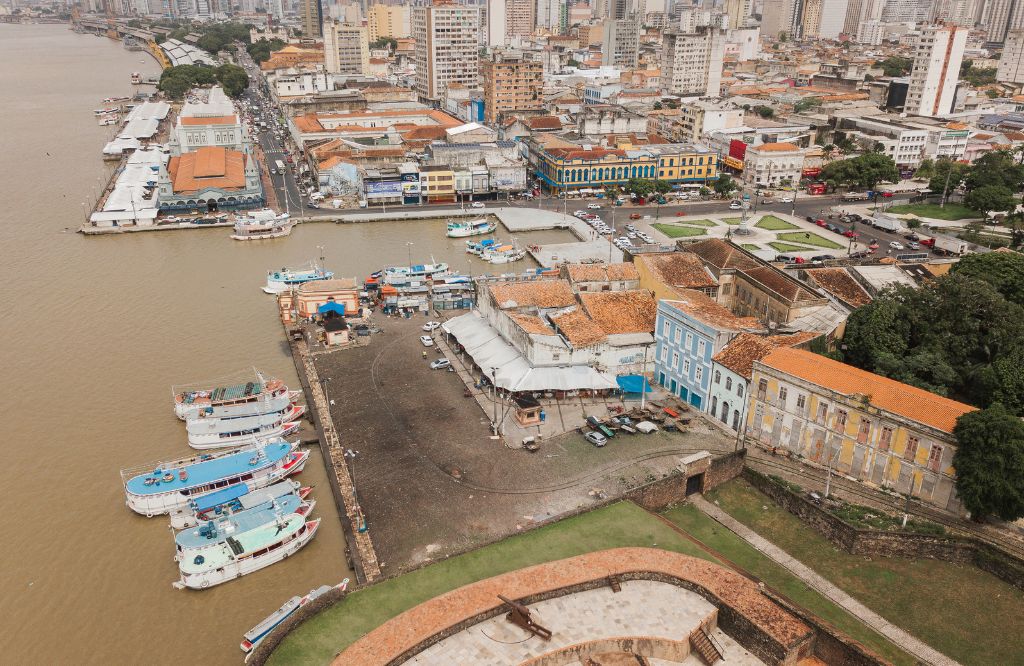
(95, 332)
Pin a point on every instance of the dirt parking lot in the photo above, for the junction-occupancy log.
(431, 479)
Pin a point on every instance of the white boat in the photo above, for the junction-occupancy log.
(262, 225)
(209, 534)
(232, 500)
(396, 275)
(136, 78)
(108, 120)
(106, 111)
(264, 404)
(287, 278)
(254, 636)
(249, 552)
(188, 403)
(479, 247)
(166, 487)
(221, 433)
(502, 254)
(464, 228)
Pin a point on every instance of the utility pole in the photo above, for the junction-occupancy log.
(828, 477)
(494, 397)
(408, 247)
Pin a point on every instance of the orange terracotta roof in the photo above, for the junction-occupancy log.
(722, 254)
(540, 294)
(678, 269)
(544, 122)
(531, 323)
(631, 311)
(884, 393)
(579, 329)
(740, 354)
(210, 166)
(839, 283)
(706, 309)
(601, 272)
(775, 147)
(208, 120)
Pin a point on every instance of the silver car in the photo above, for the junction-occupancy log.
(596, 438)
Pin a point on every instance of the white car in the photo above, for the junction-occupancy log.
(735, 205)
(594, 206)
(580, 214)
(896, 245)
(645, 237)
(431, 325)
(786, 199)
(476, 204)
(427, 340)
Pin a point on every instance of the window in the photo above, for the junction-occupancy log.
(822, 413)
(675, 359)
(714, 404)
(885, 439)
(677, 335)
(728, 383)
(700, 373)
(865, 430)
(782, 394)
(840, 419)
(689, 340)
(801, 401)
(718, 377)
(686, 367)
(762, 389)
(739, 389)
(701, 347)
(911, 451)
(935, 458)
(664, 328)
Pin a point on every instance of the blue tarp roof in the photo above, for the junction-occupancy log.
(633, 383)
(331, 306)
(219, 497)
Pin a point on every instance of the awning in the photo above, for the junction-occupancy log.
(331, 306)
(633, 383)
(508, 369)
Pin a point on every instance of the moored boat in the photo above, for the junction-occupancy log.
(232, 500)
(464, 228)
(246, 553)
(221, 433)
(265, 404)
(262, 224)
(284, 279)
(502, 254)
(168, 486)
(188, 403)
(214, 532)
(479, 247)
(398, 275)
(253, 637)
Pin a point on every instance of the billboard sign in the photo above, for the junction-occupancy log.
(382, 189)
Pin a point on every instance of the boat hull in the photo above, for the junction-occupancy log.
(276, 402)
(203, 442)
(239, 568)
(183, 520)
(262, 235)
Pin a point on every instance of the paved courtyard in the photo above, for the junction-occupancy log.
(642, 608)
(431, 479)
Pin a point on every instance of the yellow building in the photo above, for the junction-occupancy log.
(388, 21)
(574, 168)
(437, 183)
(875, 429)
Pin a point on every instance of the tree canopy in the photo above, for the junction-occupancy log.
(216, 36)
(989, 462)
(862, 171)
(895, 65)
(989, 198)
(643, 187)
(389, 43)
(175, 82)
(1003, 270)
(725, 184)
(261, 49)
(957, 335)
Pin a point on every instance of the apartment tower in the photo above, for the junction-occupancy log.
(512, 82)
(937, 58)
(447, 47)
(346, 48)
(691, 63)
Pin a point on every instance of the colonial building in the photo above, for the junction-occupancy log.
(577, 168)
(210, 179)
(667, 274)
(863, 425)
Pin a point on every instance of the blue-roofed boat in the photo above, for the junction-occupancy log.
(245, 553)
(398, 275)
(464, 228)
(243, 395)
(168, 486)
(219, 433)
(231, 500)
(253, 637)
(212, 532)
(478, 247)
(282, 280)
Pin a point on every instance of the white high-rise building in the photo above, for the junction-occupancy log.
(833, 16)
(346, 48)
(549, 15)
(691, 63)
(937, 58)
(1011, 63)
(621, 46)
(447, 47)
(999, 17)
(497, 30)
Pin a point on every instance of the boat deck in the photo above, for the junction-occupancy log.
(253, 540)
(208, 471)
(205, 535)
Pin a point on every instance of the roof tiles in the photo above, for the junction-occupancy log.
(540, 294)
(631, 311)
(740, 354)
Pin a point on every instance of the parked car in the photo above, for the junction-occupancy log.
(810, 218)
(820, 222)
(594, 206)
(427, 341)
(634, 216)
(440, 364)
(596, 438)
(896, 245)
(822, 257)
(914, 245)
(476, 204)
(786, 199)
(863, 254)
(431, 325)
(850, 233)
(735, 205)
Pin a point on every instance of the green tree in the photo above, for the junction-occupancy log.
(725, 184)
(572, 63)
(1003, 270)
(662, 186)
(640, 186)
(989, 462)
(764, 111)
(658, 106)
(783, 37)
(895, 65)
(806, 104)
(997, 167)
(926, 169)
(234, 79)
(175, 87)
(991, 198)
(389, 43)
(947, 171)
(863, 171)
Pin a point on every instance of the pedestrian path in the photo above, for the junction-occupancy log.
(899, 637)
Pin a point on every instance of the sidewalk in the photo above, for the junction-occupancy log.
(899, 637)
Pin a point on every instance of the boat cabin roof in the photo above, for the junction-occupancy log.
(208, 471)
(253, 540)
(211, 532)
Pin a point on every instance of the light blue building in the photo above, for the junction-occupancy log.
(688, 332)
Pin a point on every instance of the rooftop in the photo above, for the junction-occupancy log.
(601, 272)
(531, 323)
(739, 355)
(616, 312)
(678, 269)
(722, 254)
(707, 310)
(839, 283)
(326, 286)
(209, 166)
(579, 329)
(884, 393)
(539, 294)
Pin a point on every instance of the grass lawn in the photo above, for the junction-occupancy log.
(750, 246)
(809, 238)
(621, 524)
(679, 231)
(951, 211)
(697, 223)
(772, 223)
(732, 220)
(788, 247)
(961, 611)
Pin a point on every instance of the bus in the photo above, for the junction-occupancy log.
(280, 166)
(816, 188)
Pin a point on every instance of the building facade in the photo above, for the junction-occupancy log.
(933, 80)
(578, 168)
(1011, 62)
(691, 63)
(862, 425)
(512, 82)
(773, 164)
(621, 46)
(312, 14)
(388, 21)
(447, 47)
(346, 48)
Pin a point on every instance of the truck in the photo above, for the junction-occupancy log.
(855, 196)
(817, 188)
(886, 223)
(950, 245)
(280, 166)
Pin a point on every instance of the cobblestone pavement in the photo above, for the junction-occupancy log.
(899, 637)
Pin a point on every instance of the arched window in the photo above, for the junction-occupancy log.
(633, 173)
(560, 175)
(718, 377)
(725, 413)
(586, 175)
(714, 405)
(739, 390)
(736, 420)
